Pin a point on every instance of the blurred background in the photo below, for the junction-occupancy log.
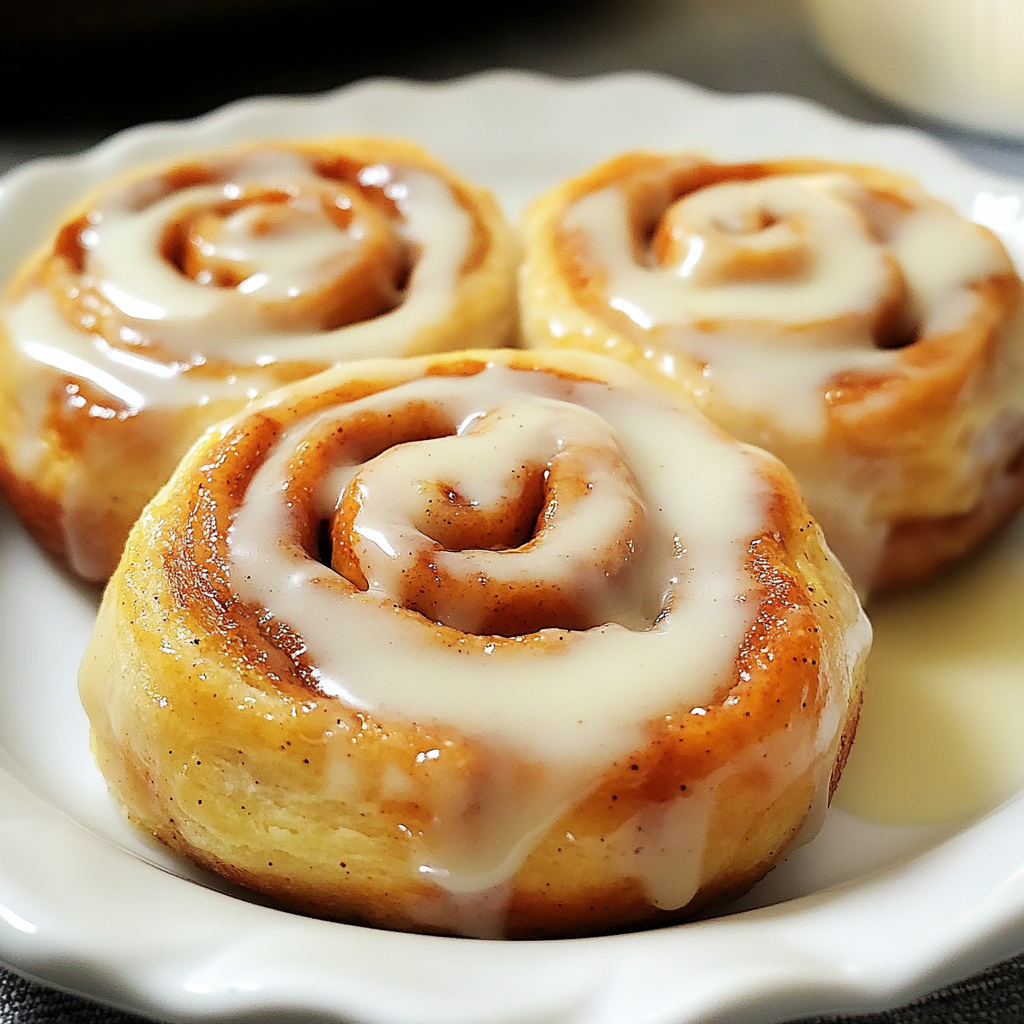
(73, 72)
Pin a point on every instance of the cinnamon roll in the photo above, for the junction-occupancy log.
(858, 328)
(491, 644)
(171, 297)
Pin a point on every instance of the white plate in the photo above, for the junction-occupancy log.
(87, 905)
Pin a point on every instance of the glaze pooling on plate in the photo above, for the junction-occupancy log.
(159, 944)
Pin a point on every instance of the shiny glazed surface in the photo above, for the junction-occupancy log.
(861, 330)
(492, 645)
(170, 298)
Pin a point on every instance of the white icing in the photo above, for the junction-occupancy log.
(663, 846)
(295, 257)
(939, 253)
(713, 499)
(770, 348)
(45, 340)
(753, 371)
(200, 327)
(776, 344)
(185, 315)
(483, 464)
(574, 709)
(845, 274)
(198, 322)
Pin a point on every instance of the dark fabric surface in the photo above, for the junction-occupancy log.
(27, 1002)
(995, 996)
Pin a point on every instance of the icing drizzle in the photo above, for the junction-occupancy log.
(658, 515)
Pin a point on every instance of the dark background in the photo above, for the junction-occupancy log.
(74, 71)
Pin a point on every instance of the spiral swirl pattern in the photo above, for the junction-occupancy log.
(172, 298)
(497, 547)
(428, 617)
(861, 330)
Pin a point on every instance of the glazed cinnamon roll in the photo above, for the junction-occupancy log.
(491, 644)
(859, 329)
(171, 297)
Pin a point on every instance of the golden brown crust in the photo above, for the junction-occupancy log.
(845, 746)
(918, 549)
(209, 725)
(80, 460)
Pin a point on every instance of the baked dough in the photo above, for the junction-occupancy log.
(173, 295)
(489, 644)
(859, 329)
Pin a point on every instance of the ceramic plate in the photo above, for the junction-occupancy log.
(867, 915)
